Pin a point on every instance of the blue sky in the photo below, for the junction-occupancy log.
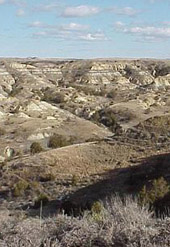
(85, 29)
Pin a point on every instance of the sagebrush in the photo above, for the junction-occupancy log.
(122, 224)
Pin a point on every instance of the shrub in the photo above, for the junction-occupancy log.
(20, 188)
(47, 177)
(90, 90)
(2, 131)
(105, 117)
(3, 164)
(74, 180)
(15, 91)
(58, 98)
(158, 190)
(57, 141)
(97, 207)
(123, 224)
(97, 211)
(35, 185)
(112, 94)
(19, 153)
(42, 199)
(36, 148)
(108, 118)
(55, 97)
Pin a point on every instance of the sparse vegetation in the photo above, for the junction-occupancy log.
(97, 207)
(57, 141)
(42, 199)
(158, 189)
(35, 185)
(105, 117)
(19, 153)
(123, 224)
(52, 96)
(2, 131)
(88, 90)
(97, 211)
(3, 164)
(47, 177)
(83, 102)
(36, 148)
(112, 94)
(20, 188)
(15, 91)
(74, 180)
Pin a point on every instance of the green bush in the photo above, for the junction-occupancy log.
(20, 188)
(57, 141)
(97, 211)
(158, 190)
(74, 180)
(36, 148)
(35, 185)
(54, 97)
(105, 117)
(97, 207)
(42, 199)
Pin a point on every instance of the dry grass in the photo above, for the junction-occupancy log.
(122, 224)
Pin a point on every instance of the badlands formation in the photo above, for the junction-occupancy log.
(105, 118)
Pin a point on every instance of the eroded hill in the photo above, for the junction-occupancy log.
(100, 115)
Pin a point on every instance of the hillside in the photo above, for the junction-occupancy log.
(99, 127)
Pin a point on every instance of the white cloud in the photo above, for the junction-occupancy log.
(2, 1)
(20, 12)
(47, 7)
(93, 36)
(19, 3)
(70, 31)
(80, 11)
(36, 24)
(167, 23)
(62, 34)
(39, 34)
(154, 1)
(119, 24)
(147, 32)
(67, 27)
(128, 11)
(74, 27)
(157, 32)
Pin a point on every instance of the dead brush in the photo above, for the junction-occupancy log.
(124, 223)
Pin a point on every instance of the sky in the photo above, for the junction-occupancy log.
(85, 29)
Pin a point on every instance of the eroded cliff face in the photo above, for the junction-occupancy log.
(111, 113)
(39, 97)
